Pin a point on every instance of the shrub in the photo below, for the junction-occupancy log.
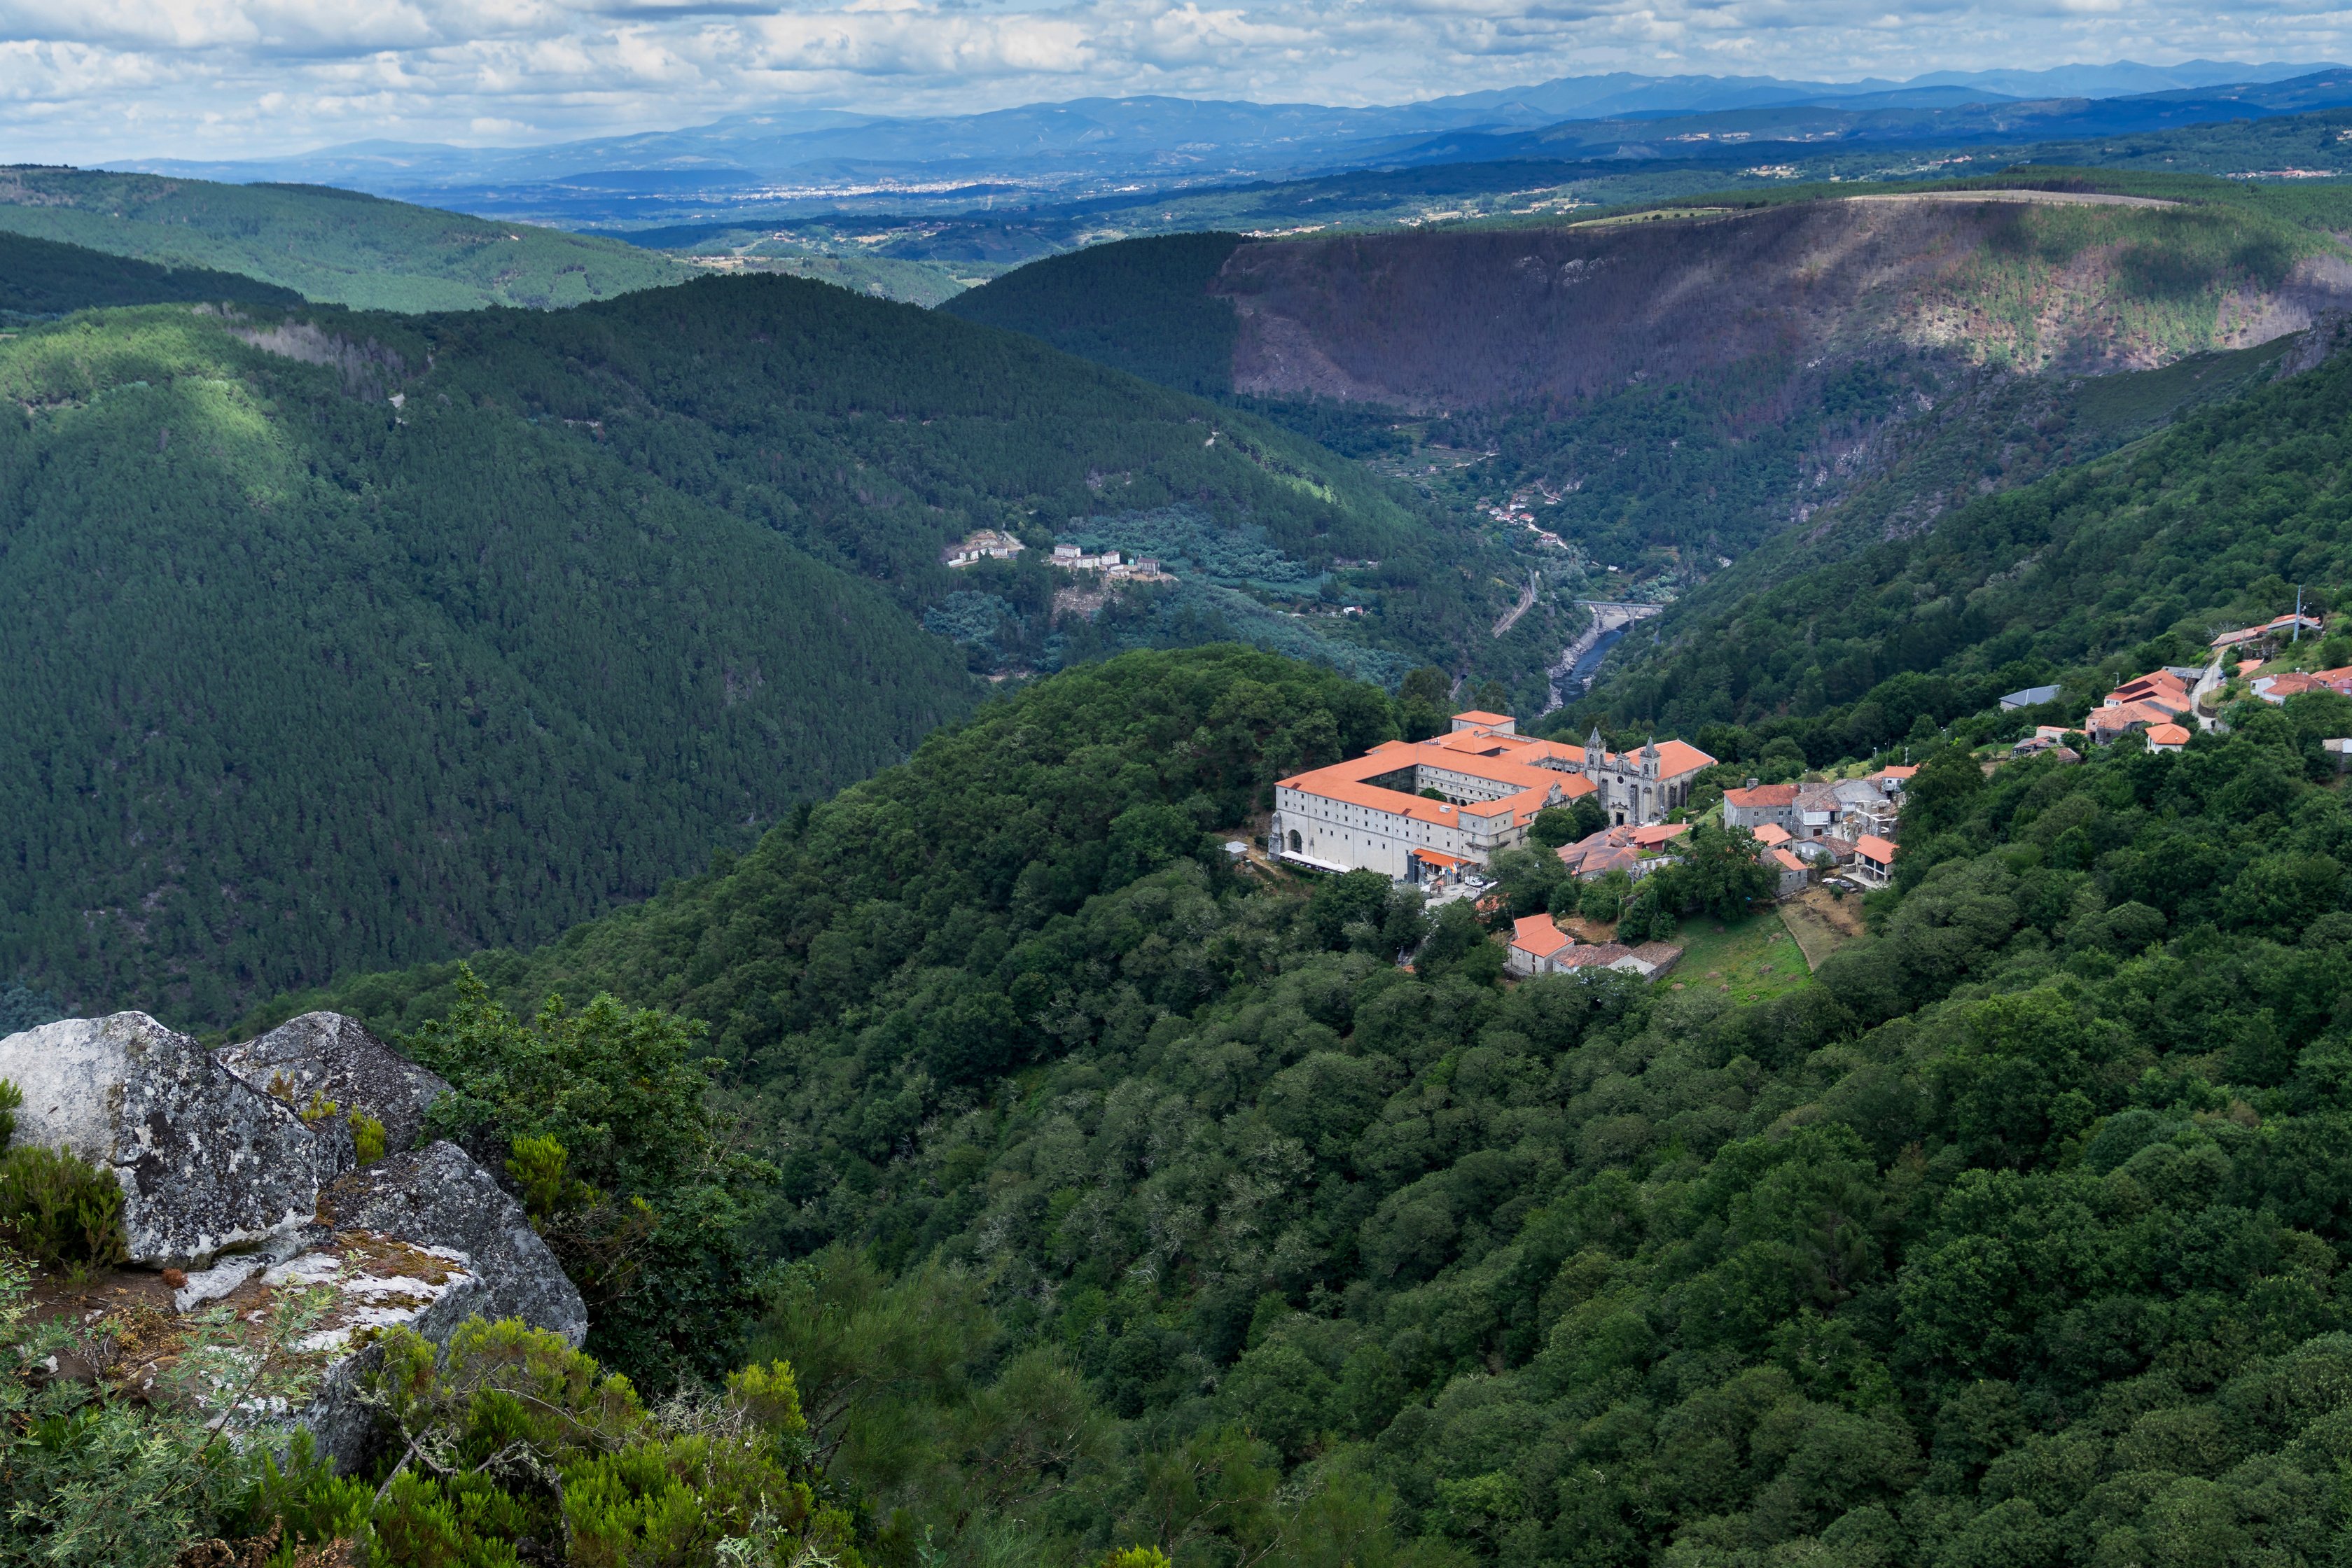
(509, 1440)
(367, 1138)
(61, 1213)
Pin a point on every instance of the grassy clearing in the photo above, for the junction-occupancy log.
(1751, 958)
(1820, 924)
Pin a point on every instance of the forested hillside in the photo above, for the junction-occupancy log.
(303, 680)
(2136, 558)
(2011, 1236)
(545, 605)
(331, 245)
(1142, 305)
(41, 278)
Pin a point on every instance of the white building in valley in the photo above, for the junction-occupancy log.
(1375, 812)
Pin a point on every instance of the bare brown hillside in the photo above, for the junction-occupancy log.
(1453, 318)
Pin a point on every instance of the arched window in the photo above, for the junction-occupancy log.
(1297, 843)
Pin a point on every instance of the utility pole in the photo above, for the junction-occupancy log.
(2298, 615)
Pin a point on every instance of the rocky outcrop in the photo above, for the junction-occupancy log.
(329, 1057)
(224, 1178)
(439, 1198)
(206, 1164)
(377, 1283)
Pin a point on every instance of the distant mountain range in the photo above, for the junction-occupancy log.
(1093, 144)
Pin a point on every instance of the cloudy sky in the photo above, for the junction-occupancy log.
(85, 80)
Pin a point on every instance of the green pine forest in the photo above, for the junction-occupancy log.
(347, 641)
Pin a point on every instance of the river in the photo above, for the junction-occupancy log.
(1580, 674)
(1580, 660)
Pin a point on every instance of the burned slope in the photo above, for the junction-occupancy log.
(2027, 280)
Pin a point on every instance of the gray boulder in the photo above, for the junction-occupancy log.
(206, 1164)
(330, 1057)
(438, 1198)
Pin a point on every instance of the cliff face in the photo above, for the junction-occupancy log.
(2031, 281)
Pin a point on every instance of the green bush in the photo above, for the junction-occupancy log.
(508, 1441)
(367, 1138)
(60, 1212)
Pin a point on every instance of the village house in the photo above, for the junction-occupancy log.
(2266, 637)
(1873, 861)
(2166, 738)
(1375, 811)
(1803, 811)
(1636, 851)
(987, 544)
(1142, 568)
(2158, 697)
(2113, 721)
(1834, 849)
(2276, 688)
(2044, 738)
(1534, 940)
(1794, 872)
(1538, 946)
(1761, 806)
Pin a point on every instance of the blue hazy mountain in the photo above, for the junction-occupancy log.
(1185, 140)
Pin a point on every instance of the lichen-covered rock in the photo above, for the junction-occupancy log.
(378, 1282)
(328, 1057)
(206, 1162)
(437, 1196)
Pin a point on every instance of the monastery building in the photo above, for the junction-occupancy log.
(1371, 813)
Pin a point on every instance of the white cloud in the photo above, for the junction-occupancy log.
(86, 80)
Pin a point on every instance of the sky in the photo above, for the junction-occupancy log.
(87, 81)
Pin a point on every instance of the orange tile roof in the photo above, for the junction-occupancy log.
(1509, 760)
(1536, 934)
(1396, 801)
(2166, 735)
(1480, 715)
(1875, 848)
(2117, 717)
(1903, 772)
(1657, 833)
(1771, 835)
(1762, 795)
(1500, 760)
(1788, 859)
(1674, 757)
